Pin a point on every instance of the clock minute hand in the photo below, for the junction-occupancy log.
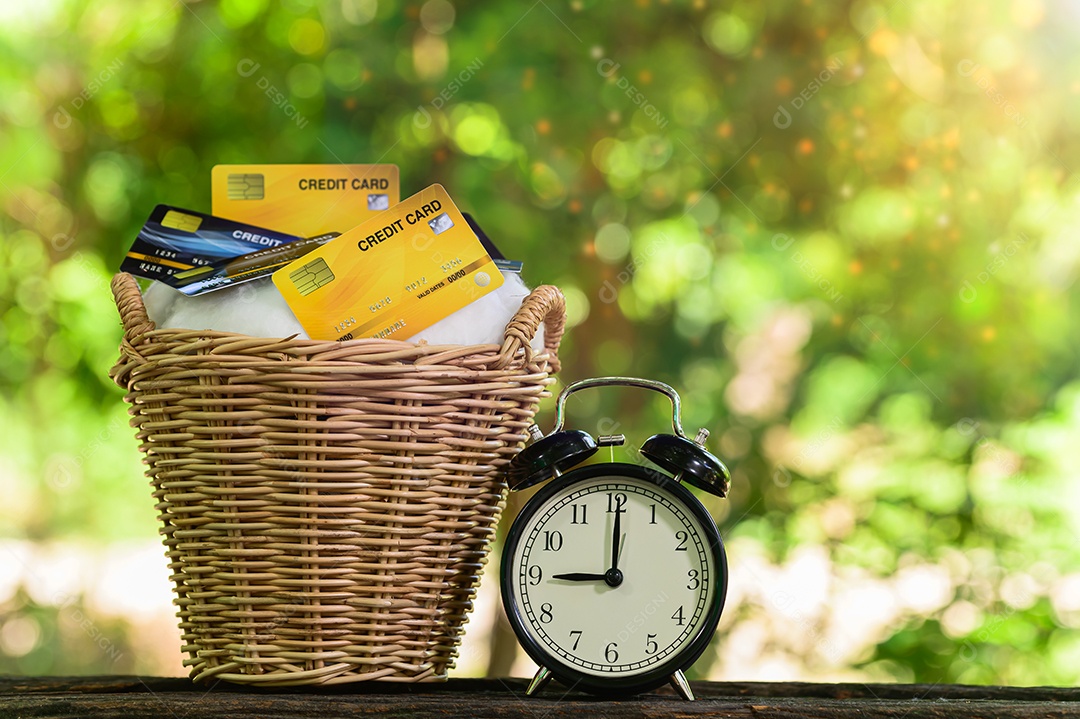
(579, 577)
(615, 538)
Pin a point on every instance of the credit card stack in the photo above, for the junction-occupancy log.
(350, 259)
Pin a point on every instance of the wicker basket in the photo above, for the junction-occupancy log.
(327, 506)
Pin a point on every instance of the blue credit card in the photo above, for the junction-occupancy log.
(173, 240)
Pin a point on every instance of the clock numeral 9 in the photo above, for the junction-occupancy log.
(650, 644)
(695, 582)
(615, 502)
(545, 613)
(610, 653)
(553, 541)
(535, 574)
(682, 537)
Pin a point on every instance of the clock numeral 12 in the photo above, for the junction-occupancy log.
(552, 541)
(615, 502)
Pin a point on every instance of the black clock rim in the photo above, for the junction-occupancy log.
(658, 676)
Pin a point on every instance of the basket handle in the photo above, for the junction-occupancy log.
(544, 304)
(129, 302)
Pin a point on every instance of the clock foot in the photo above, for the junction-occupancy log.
(539, 681)
(680, 685)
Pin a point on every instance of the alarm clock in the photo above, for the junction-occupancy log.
(614, 574)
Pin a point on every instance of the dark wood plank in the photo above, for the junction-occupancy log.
(139, 697)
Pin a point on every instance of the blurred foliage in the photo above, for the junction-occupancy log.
(845, 231)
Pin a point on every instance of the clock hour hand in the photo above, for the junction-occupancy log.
(579, 577)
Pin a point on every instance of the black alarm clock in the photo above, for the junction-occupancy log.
(614, 575)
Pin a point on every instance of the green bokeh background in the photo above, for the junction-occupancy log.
(845, 231)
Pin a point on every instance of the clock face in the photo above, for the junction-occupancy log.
(612, 575)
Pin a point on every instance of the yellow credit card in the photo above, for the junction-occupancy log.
(304, 200)
(392, 276)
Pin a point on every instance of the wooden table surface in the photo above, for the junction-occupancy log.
(171, 698)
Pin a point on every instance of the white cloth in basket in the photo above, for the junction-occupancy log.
(256, 308)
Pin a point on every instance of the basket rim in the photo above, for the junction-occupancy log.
(544, 305)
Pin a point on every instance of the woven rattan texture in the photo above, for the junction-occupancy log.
(327, 507)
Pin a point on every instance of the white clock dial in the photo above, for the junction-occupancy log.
(559, 576)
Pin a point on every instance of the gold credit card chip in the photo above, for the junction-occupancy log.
(312, 276)
(246, 187)
(180, 221)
